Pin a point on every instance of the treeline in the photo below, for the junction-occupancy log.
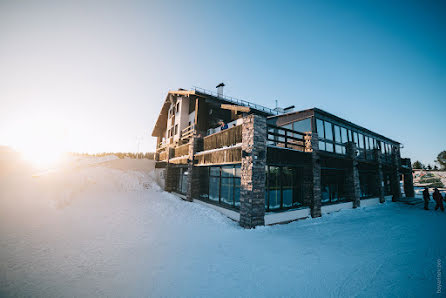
(121, 155)
(441, 161)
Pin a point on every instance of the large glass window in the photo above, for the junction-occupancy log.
(214, 184)
(332, 186)
(288, 176)
(273, 180)
(367, 183)
(332, 137)
(283, 188)
(224, 185)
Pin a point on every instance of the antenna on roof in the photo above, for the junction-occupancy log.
(220, 89)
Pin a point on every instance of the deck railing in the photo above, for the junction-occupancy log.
(181, 150)
(188, 132)
(286, 138)
(163, 155)
(224, 138)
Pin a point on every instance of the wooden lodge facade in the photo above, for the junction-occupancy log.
(272, 165)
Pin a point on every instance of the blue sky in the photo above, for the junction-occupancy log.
(98, 73)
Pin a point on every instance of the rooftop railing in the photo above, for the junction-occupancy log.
(237, 101)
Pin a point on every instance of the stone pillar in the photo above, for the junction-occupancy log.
(171, 173)
(352, 184)
(408, 184)
(379, 176)
(312, 175)
(171, 178)
(194, 177)
(252, 189)
(395, 176)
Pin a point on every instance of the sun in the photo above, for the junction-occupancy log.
(41, 156)
(41, 142)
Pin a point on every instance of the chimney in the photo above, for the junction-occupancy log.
(220, 89)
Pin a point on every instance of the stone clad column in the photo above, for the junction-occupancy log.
(171, 174)
(379, 176)
(252, 188)
(352, 185)
(395, 176)
(312, 175)
(194, 173)
(408, 180)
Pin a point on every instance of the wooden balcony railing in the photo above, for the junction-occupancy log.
(225, 138)
(188, 132)
(286, 138)
(181, 150)
(163, 155)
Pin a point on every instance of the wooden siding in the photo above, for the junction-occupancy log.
(225, 138)
(226, 156)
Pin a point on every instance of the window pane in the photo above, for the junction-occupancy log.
(215, 171)
(361, 141)
(340, 149)
(337, 130)
(274, 187)
(303, 125)
(287, 186)
(320, 128)
(355, 134)
(227, 191)
(214, 188)
(328, 131)
(237, 171)
(344, 135)
(329, 147)
(184, 181)
(227, 171)
(321, 145)
(237, 192)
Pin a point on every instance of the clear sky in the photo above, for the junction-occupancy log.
(92, 76)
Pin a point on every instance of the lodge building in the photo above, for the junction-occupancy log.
(272, 165)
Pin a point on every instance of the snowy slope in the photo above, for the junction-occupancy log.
(110, 231)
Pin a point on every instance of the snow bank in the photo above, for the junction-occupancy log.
(119, 235)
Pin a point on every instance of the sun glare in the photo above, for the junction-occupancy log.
(41, 142)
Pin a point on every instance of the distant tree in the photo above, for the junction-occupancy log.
(435, 168)
(441, 160)
(429, 167)
(417, 165)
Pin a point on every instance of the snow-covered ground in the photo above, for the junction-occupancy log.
(106, 229)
